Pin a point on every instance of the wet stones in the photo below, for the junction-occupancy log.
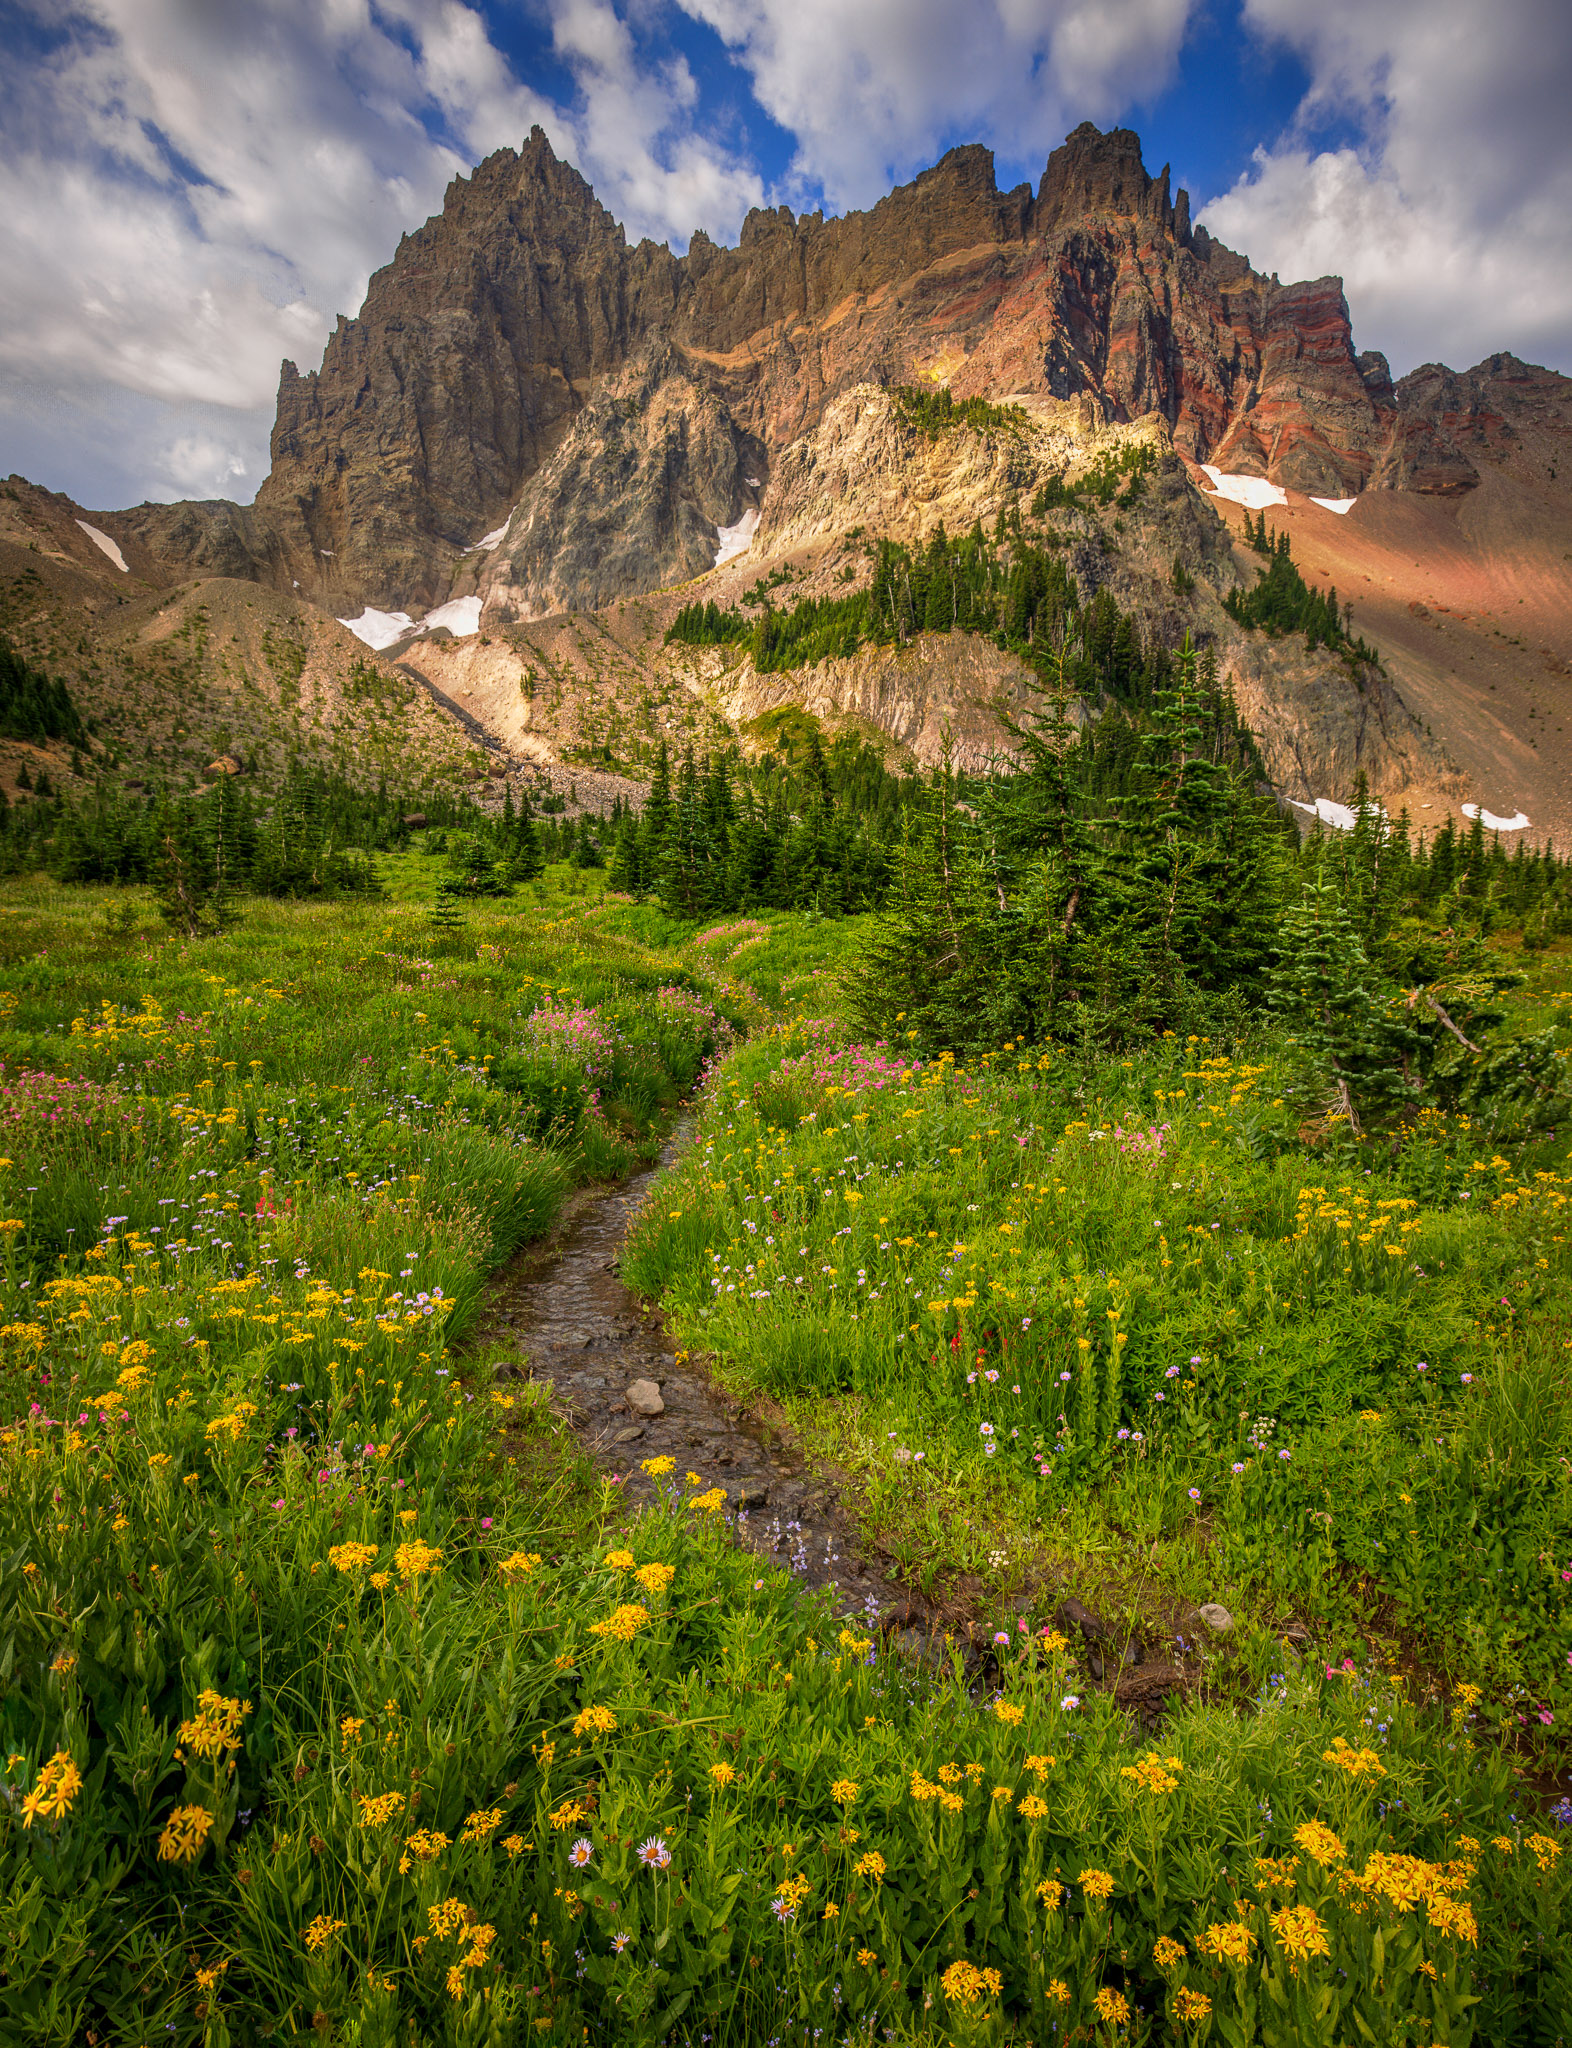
(643, 1398)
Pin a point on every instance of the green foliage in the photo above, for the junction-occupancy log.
(934, 411)
(1100, 481)
(1282, 602)
(1081, 898)
(33, 706)
(308, 1695)
(1070, 1282)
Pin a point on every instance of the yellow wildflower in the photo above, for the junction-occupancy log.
(1320, 1842)
(426, 1845)
(1097, 1884)
(596, 1721)
(520, 1564)
(351, 1557)
(215, 1727)
(59, 1781)
(184, 1834)
(965, 1985)
(622, 1560)
(1112, 2006)
(872, 1866)
(1301, 1933)
(1009, 1713)
(1358, 1763)
(1449, 1916)
(623, 1623)
(844, 1792)
(655, 1578)
(414, 1558)
(1153, 1774)
(321, 1932)
(1191, 2006)
(1226, 1941)
(1166, 1952)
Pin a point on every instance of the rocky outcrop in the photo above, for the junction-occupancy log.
(492, 355)
(632, 496)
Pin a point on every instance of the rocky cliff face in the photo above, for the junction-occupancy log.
(578, 433)
(511, 354)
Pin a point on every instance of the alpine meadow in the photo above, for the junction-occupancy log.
(785, 1190)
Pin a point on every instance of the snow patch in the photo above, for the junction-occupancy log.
(491, 540)
(379, 629)
(103, 541)
(1335, 504)
(1340, 816)
(736, 540)
(752, 482)
(1253, 491)
(461, 616)
(1516, 823)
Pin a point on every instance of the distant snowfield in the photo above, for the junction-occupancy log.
(103, 541)
(1335, 504)
(491, 540)
(736, 540)
(1253, 491)
(1492, 823)
(380, 629)
(1340, 816)
(461, 616)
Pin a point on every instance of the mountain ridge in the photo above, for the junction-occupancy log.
(547, 439)
(496, 321)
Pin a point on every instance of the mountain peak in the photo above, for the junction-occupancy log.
(1092, 173)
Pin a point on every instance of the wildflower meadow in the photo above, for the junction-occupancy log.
(341, 1699)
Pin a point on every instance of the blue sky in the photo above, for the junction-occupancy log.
(189, 193)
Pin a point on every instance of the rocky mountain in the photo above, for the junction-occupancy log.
(533, 433)
(517, 336)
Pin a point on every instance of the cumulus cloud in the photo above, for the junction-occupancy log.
(871, 90)
(190, 194)
(1451, 221)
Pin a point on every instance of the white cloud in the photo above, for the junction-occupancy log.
(872, 90)
(190, 194)
(1451, 222)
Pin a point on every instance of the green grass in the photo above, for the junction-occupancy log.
(1033, 1308)
(322, 1648)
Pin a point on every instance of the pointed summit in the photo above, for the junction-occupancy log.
(1092, 174)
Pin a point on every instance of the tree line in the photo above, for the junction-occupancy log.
(1139, 878)
(1280, 601)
